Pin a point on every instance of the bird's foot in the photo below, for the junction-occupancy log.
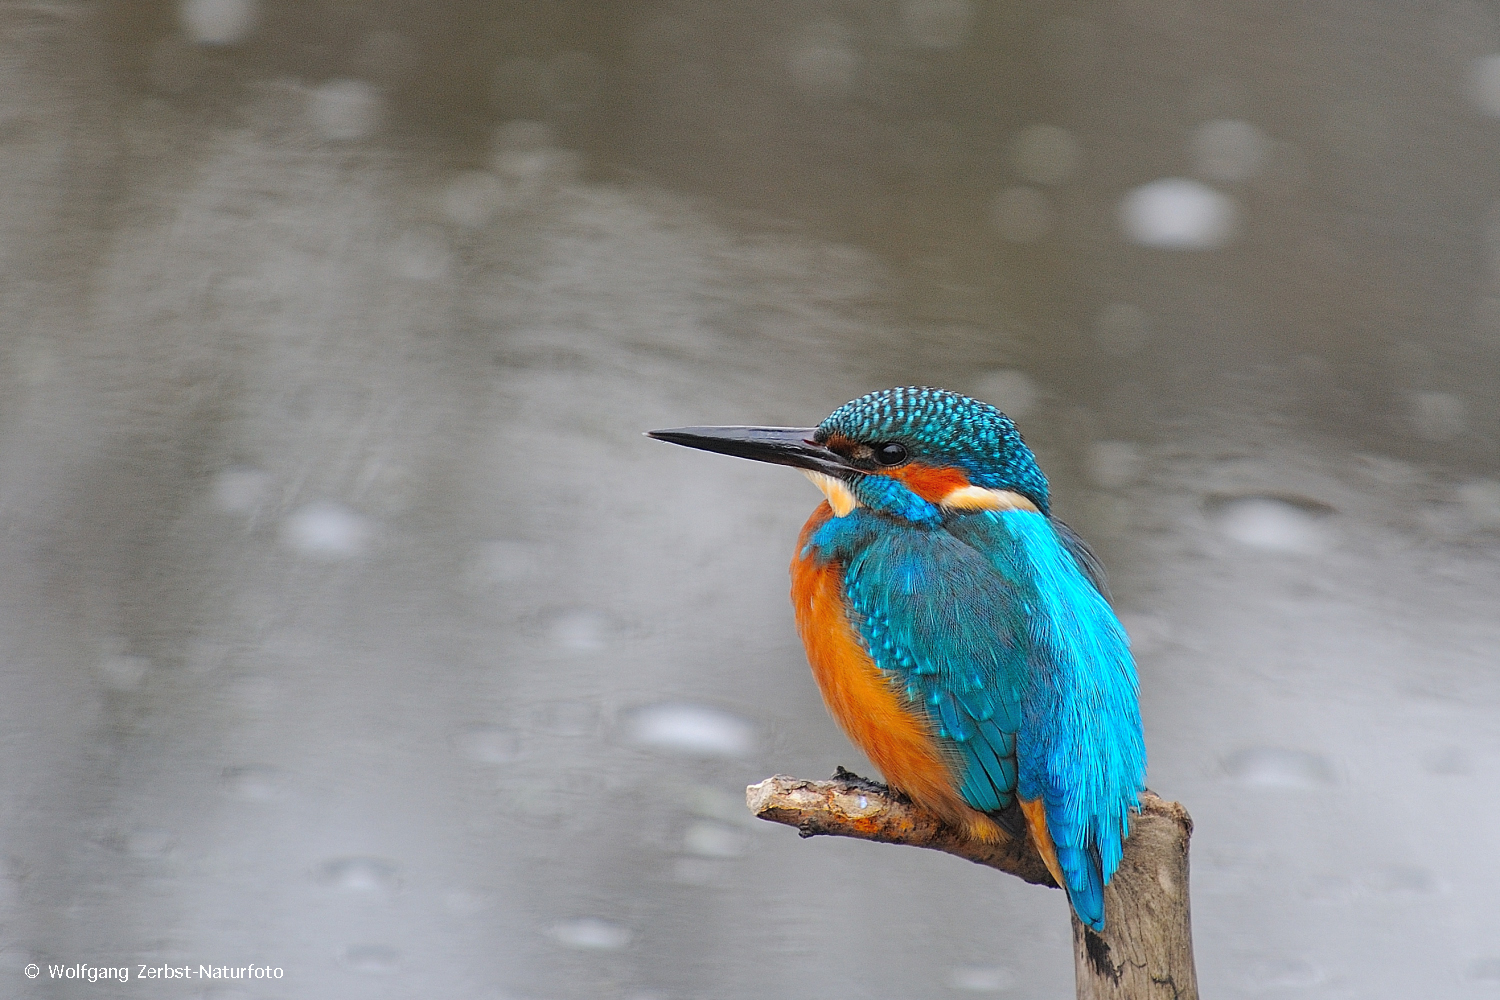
(848, 777)
(1010, 818)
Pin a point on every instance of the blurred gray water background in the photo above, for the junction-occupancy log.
(350, 626)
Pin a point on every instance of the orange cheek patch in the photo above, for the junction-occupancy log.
(930, 482)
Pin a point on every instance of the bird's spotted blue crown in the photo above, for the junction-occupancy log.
(949, 427)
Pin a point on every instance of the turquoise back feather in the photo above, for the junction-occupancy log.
(1081, 749)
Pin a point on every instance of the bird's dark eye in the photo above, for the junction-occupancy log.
(890, 453)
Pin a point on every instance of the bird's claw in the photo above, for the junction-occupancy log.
(848, 777)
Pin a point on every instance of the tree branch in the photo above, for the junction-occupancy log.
(1146, 950)
(851, 806)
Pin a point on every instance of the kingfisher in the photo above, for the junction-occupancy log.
(961, 635)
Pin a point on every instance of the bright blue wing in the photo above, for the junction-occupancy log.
(937, 616)
(1081, 749)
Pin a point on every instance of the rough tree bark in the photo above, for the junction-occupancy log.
(1146, 950)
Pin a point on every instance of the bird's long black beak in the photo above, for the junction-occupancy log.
(792, 446)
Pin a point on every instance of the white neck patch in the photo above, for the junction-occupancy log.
(840, 498)
(980, 498)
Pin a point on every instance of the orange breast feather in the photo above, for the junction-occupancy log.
(863, 701)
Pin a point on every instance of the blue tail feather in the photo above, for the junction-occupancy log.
(1085, 878)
